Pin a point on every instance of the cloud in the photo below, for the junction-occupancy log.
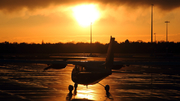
(13, 5)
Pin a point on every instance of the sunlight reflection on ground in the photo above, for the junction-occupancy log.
(24, 83)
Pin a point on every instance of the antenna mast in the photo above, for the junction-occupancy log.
(91, 38)
(152, 22)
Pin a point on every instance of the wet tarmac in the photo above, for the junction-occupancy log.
(28, 82)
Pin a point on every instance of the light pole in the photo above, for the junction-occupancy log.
(167, 30)
(91, 33)
(155, 37)
(152, 22)
(91, 38)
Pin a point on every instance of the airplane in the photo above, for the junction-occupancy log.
(90, 72)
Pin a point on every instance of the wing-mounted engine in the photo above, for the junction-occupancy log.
(56, 66)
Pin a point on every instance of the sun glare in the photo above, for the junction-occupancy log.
(85, 14)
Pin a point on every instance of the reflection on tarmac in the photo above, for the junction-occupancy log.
(86, 95)
(30, 83)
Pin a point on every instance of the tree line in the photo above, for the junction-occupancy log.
(97, 47)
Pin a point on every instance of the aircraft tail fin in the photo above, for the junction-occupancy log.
(110, 54)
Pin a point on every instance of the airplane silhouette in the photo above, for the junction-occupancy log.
(89, 72)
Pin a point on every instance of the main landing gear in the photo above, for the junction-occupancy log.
(107, 87)
(71, 88)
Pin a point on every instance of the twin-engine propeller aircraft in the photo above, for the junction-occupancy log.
(90, 72)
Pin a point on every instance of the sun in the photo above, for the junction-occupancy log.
(85, 14)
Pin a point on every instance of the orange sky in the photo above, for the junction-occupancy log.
(53, 21)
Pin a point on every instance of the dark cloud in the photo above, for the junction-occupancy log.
(162, 4)
(13, 5)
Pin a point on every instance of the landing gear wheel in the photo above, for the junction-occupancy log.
(75, 85)
(75, 88)
(107, 87)
(70, 88)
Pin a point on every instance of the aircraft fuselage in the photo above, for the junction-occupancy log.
(81, 75)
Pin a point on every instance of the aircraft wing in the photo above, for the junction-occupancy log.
(79, 62)
(60, 64)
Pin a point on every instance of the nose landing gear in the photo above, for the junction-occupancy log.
(107, 87)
